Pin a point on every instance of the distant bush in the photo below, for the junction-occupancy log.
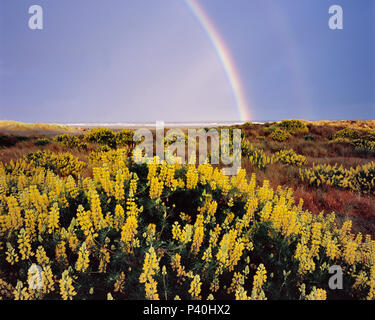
(247, 125)
(103, 149)
(42, 142)
(9, 141)
(360, 178)
(363, 145)
(280, 135)
(125, 138)
(370, 136)
(289, 157)
(101, 136)
(71, 141)
(309, 138)
(257, 157)
(293, 126)
(346, 133)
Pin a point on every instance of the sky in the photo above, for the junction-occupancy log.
(142, 60)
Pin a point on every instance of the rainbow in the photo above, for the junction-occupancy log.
(224, 56)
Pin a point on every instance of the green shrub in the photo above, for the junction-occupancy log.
(346, 133)
(309, 138)
(280, 135)
(41, 142)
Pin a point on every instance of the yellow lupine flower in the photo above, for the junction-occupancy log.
(198, 235)
(260, 279)
(11, 255)
(24, 245)
(150, 266)
(60, 252)
(317, 294)
(53, 218)
(195, 287)
(156, 188)
(66, 286)
(191, 177)
(41, 256)
(151, 290)
(119, 216)
(47, 280)
(83, 260)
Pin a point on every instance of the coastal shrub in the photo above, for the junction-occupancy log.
(64, 164)
(360, 178)
(289, 157)
(280, 135)
(363, 145)
(293, 126)
(370, 135)
(161, 231)
(309, 138)
(257, 157)
(125, 138)
(71, 141)
(42, 142)
(101, 136)
(346, 133)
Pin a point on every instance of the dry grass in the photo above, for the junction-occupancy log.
(20, 128)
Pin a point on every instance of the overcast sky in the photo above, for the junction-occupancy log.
(142, 60)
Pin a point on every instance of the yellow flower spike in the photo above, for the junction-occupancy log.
(260, 279)
(66, 286)
(24, 245)
(41, 256)
(195, 287)
(83, 260)
(53, 218)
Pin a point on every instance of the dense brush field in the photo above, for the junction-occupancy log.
(80, 220)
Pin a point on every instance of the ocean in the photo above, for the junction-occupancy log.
(153, 124)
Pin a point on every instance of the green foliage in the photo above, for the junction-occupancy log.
(41, 142)
(9, 141)
(309, 138)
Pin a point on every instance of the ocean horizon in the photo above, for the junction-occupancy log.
(153, 124)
